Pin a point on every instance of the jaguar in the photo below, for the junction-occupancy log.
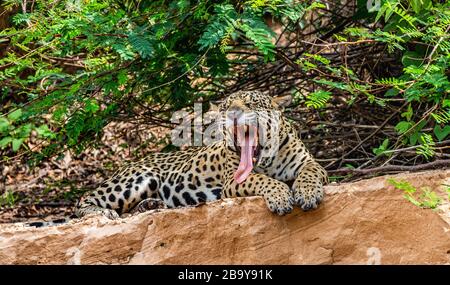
(259, 153)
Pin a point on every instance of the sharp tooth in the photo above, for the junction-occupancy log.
(255, 133)
(254, 160)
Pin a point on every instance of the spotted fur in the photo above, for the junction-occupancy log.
(202, 174)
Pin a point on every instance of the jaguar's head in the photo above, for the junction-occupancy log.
(252, 124)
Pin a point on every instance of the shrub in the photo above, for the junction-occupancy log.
(70, 67)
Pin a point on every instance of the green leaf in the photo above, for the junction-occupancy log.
(340, 38)
(45, 132)
(59, 113)
(441, 133)
(412, 200)
(21, 18)
(15, 115)
(220, 26)
(315, 5)
(124, 51)
(420, 5)
(380, 13)
(23, 131)
(261, 38)
(416, 132)
(446, 103)
(318, 99)
(122, 77)
(408, 114)
(403, 185)
(318, 57)
(442, 117)
(430, 199)
(426, 148)
(4, 124)
(141, 44)
(4, 142)
(16, 143)
(403, 126)
(91, 106)
(382, 148)
(416, 5)
(413, 138)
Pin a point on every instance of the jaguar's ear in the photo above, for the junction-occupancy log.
(213, 107)
(282, 101)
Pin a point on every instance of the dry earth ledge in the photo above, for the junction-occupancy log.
(359, 223)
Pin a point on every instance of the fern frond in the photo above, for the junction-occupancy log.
(221, 25)
(411, 32)
(392, 81)
(293, 14)
(442, 117)
(406, 17)
(215, 32)
(357, 32)
(141, 44)
(426, 147)
(260, 38)
(318, 99)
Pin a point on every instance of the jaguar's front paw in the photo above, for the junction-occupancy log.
(308, 195)
(95, 210)
(147, 205)
(280, 201)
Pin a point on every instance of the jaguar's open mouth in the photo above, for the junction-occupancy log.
(245, 138)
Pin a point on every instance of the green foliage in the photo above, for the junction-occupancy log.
(426, 147)
(68, 68)
(419, 32)
(13, 132)
(427, 199)
(227, 23)
(8, 199)
(403, 126)
(71, 67)
(447, 189)
(382, 148)
(318, 99)
(442, 117)
(441, 133)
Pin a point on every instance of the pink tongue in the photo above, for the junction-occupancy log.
(246, 164)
